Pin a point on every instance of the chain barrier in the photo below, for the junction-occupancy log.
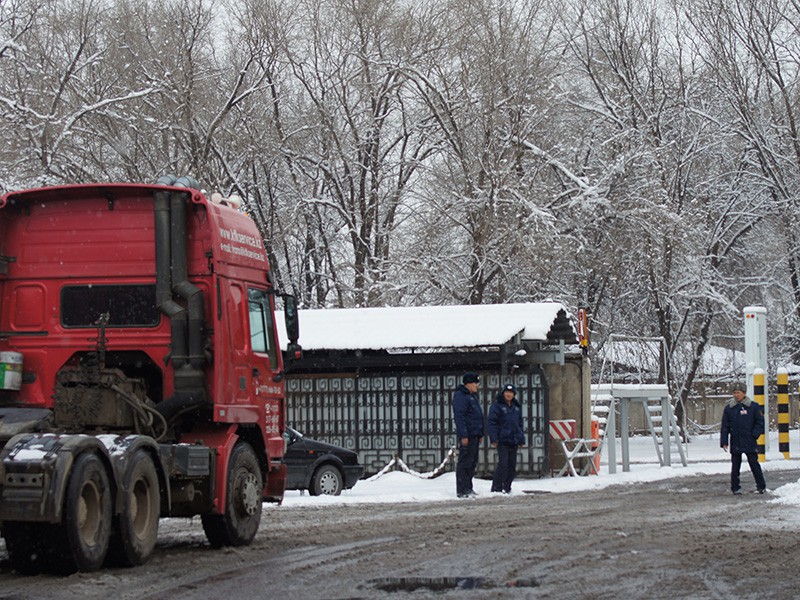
(397, 464)
(698, 428)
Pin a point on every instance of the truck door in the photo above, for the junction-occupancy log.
(265, 362)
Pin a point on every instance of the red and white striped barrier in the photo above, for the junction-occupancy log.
(563, 429)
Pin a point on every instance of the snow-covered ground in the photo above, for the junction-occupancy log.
(704, 457)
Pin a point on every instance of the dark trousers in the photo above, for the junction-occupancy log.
(755, 467)
(506, 468)
(467, 462)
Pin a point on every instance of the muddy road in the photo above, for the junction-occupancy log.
(679, 538)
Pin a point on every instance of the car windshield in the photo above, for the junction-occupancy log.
(292, 435)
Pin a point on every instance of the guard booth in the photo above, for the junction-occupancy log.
(380, 380)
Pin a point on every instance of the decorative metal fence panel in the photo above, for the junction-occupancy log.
(381, 416)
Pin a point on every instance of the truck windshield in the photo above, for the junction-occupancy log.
(126, 305)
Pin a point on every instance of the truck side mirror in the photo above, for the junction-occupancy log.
(293, 350)
(290, 314)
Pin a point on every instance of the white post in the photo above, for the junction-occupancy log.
(611, 436)
(624, 435)
(755, 352)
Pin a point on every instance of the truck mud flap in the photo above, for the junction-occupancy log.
(34, 469)
(276, 483)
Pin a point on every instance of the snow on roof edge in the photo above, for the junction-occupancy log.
(391, 328)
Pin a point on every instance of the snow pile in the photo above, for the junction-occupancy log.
(705, 457)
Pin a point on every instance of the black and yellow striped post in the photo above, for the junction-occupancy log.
(758, 396)
(783, 412)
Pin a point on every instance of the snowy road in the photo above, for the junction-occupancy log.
(685, 537)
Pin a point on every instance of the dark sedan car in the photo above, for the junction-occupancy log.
(318, 467)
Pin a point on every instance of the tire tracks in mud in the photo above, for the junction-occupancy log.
(637, 540)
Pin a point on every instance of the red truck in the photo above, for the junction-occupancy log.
(140, 372)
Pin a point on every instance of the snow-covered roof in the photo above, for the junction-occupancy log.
(422, 326)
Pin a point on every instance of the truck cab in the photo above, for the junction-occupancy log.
(145, 376)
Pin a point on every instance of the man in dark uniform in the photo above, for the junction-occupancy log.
(742, 424)
(468, 415)
(506, 434)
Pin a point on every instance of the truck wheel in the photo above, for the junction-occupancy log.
(238, 525)
(25, 546)
(82, 538)
(136, 528)
(327, 480)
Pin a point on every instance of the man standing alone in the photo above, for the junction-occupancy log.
(743, 423)
(468, 415)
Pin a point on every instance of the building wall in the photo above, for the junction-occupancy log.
(569, 398)
(569, 386)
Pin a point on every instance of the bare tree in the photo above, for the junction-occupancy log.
(635, 156)
(753, 47)
(486, 190)
(682, 203)
(56, 85)
(355, 145)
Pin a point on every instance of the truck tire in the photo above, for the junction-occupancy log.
(81, 540)
(135, 529)
(326, 481)
(25, 546)
(243, 499)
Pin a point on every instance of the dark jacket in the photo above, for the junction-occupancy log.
(505, 422)
(743, 423)
(467, 413)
